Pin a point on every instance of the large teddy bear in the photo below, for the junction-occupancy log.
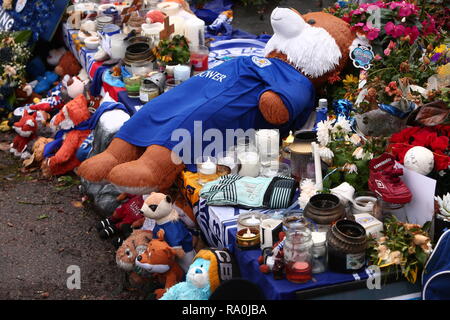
(277, 91)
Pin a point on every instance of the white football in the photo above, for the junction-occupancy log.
(419, 159)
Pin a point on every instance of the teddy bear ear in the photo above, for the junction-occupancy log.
(168, 199)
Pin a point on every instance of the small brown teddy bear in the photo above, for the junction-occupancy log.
(68, 64)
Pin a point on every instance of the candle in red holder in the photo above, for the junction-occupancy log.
(298, 271)
(199, 58)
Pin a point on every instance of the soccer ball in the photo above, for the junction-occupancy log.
(419, 159)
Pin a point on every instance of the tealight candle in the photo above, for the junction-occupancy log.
(206, 170)
(248, 234)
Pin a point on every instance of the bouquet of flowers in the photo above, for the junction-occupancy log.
(434, 138)
(175, 51)
(411, 63)
(346, 153)
(404, 247)
(14, 55)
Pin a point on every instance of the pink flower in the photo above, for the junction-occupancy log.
(371, 32)
(405, 11)
(396, 31)
(356, 12)
(377, 57)
(429, 26)
(357, 26)
(392, 45)
(413, 33)
(387, 52)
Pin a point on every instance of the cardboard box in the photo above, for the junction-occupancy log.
(370, 223)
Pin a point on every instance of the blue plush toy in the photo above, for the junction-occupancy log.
(197, 285)
(46, 82)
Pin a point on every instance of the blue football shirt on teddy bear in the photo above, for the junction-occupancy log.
(175, 234)
(224, 97)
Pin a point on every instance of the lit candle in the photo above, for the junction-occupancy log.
(208, 167)
(317, 165)
(248, 234)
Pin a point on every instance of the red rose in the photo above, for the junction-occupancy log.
(404, 135)
(440, 144)
(398, 150)
(423, 137)
(441, 161)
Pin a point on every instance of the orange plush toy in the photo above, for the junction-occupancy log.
(159, 260)
(242, 93)
(68, 64)
(70, 137)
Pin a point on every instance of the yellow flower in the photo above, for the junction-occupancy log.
(440, 49)
(350, 80)
(444, 70)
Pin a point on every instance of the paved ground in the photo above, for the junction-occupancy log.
(43, 231)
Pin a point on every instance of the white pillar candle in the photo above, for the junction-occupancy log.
(317, 165)
(169, 8)
(178, 23)
(267, 141)
(181, 73)
(194, 31)
(249, 164)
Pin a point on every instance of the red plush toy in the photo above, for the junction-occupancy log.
(126, 217)
(26, 131)
(71, 115)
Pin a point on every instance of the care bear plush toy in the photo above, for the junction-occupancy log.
(247, 92)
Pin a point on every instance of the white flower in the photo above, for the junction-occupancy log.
(351, 168)
(358, 153)
(342, 125)
(444, 204)
(355, 139)
(323, 132)
(326, 154)
(308, 189)
(10, 71)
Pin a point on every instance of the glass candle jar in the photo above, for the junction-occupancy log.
(251, 219)
(148, 90)
(229, 160)
(319, 252)
(132, 84)
(298, 253)
(170, 84)
(250, 165)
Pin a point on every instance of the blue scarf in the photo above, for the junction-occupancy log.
(52, 147)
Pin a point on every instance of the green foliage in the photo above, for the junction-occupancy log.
(174, 51)
(400, 237)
